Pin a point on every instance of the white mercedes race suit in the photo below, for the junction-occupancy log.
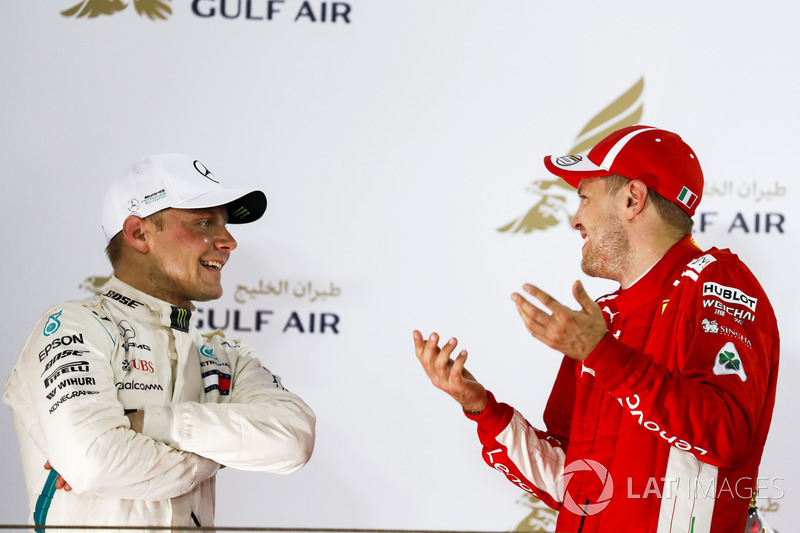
(207, 402)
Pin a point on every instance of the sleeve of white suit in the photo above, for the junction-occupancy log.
(263, 427)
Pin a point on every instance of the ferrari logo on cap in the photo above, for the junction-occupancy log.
(568, 160)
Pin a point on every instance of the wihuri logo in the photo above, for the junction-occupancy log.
(551, 207)
(153, 9)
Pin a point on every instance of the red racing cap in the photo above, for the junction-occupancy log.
(658, 157)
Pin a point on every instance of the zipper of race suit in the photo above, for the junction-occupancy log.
(585, 508)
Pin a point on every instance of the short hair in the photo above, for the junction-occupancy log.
(670, 212)
(115, 245)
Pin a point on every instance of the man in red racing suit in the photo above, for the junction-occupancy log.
(659, 424)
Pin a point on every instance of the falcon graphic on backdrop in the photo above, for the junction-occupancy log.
(551, 208)
(94, 8)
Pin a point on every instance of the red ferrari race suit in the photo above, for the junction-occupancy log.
(662, 427)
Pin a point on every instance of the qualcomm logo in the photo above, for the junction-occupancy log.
(551, 208)
(153, 9)
(588, 509)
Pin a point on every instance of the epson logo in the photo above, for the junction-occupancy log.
(66, 340)
(729, 294)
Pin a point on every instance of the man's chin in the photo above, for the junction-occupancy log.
(207, 296)
(591, 269)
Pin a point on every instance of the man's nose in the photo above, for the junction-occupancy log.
(226, 241)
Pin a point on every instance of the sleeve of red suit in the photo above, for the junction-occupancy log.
(530, 458)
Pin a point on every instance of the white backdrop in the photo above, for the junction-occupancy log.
(392, 144)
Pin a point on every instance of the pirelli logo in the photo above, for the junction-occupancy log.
(729, 294)
(77, 366)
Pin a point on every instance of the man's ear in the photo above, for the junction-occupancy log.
(134, 231)
(634, 196)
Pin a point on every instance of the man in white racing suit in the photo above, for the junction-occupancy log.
(123, 410)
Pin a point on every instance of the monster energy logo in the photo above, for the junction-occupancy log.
(52, 324)
(179, 319)
(241, 212)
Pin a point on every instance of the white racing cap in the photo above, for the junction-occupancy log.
(174, 180)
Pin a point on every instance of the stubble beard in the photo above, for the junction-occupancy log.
(608, 253)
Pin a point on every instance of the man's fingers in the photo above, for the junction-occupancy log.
(582, 297)
(426, 349)
(61, 483)
(531, 315)
(419, 344)
(548, 301)
(443, 358)
(458, 365)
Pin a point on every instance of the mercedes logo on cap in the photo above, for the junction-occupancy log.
(201, 168)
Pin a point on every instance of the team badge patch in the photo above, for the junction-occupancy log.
(52, 324)
(568, 160)
(728, 362)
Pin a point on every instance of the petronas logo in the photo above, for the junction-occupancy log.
(53, 324)
(551, 208)
(153, 9)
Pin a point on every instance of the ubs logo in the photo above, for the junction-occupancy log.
(138, 364)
